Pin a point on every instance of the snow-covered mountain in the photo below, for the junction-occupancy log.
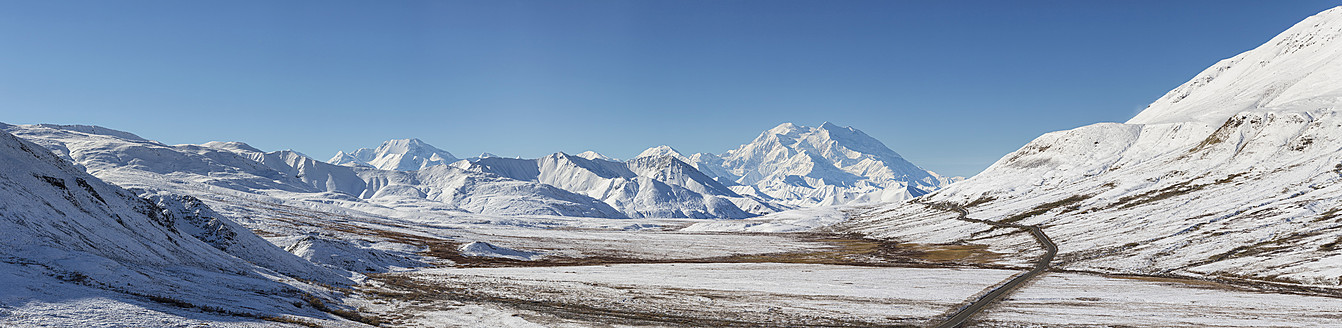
(60, 226)
(809, 166)
(1236, 174)
(131, 161)
(320, 176)
(659, 186)
(399, 154)
(785, 167)
(479, 192)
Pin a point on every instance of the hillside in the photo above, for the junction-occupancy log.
(1233, 175)
(65, 235)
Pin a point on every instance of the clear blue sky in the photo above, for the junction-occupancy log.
(951, 85)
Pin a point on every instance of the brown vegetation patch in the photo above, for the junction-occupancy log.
(1067, 204)
(980, 201)
(940, 253)
(1220, 135)
(1329, 215)
(1266, 247)
(1177, 189)
(1331, 246)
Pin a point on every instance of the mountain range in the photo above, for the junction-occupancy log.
(786, 167)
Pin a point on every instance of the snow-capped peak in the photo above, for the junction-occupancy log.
(1296, 71)
(662, 150)
(791, 160)
(784, 128)
(397, 154)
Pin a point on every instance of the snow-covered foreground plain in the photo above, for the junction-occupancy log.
(701, 294)
(753, 294)
(1061, 299)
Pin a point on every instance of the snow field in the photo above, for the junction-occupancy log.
(1075, 299)
(767, 293)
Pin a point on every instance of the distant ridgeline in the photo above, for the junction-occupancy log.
(786, 167)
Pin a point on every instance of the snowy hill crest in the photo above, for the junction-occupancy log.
(1233, 174)
(1295, 71)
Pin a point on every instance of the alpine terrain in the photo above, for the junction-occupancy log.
(810, 166)
(1219, 205)
(70, 241)
(1233, 175)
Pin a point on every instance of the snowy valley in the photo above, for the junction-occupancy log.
(1220, 204)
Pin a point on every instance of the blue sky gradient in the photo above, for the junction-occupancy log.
(951, 85)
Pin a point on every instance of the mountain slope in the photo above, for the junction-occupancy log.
(1235, 177)
(1296, 70)
(64, 223)
(479, 192)
(319, 175)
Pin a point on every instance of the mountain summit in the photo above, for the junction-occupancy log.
(828, 164)
(397, 154)
(808, 166)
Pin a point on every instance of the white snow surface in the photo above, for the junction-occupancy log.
(784, 294)
(345, 255)
(1298, 70)
(1064, 299)
(30, 297)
